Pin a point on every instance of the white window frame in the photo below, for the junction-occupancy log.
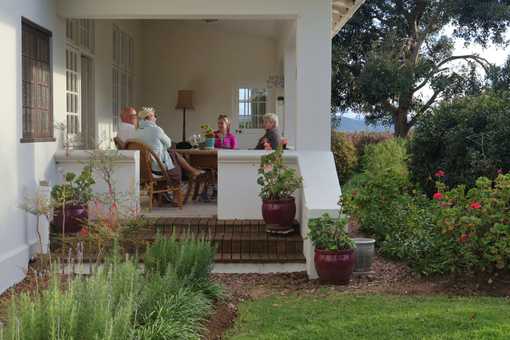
(245, 102)
(122, 73)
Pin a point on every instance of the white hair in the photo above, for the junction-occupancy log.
(271, 117)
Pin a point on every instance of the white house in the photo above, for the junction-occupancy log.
(78, 62)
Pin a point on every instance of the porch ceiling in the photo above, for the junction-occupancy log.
(343, 10)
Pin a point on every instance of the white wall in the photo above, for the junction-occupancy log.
(23, 165)
(193, 55)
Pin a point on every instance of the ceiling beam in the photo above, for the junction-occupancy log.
(342, 11)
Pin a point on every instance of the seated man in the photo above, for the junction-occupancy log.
(153, 136)
(272, 138)
(127, 125)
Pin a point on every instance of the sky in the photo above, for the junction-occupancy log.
(494, 54)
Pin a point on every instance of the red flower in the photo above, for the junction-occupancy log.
(354, 193)
(440, 173)
(84, 232)
(267, 146)
(438, 196)
(475, 205)
(463, 238)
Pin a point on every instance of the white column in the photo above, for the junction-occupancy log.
(314, 78)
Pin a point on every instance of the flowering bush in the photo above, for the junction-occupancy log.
(278, 181)
(477, 223)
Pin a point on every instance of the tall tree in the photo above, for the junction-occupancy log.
(393, 61)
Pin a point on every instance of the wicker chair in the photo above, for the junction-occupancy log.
(150, 183)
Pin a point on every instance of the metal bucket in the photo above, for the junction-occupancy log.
(365, 250)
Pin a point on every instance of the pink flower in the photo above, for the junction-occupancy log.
(440, 173)
(267, 146)
(500, 171)
(84, 232)
(463, 238)
(268, 168)
(438, 196)
(475, 205)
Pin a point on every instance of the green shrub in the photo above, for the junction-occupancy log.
(376, 201)
(327, 233)
(344, 152)
(361, 140)
(100, 307)
(467, 138)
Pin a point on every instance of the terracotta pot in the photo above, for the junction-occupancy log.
(279, 214)
(76, 218)
(335, 267)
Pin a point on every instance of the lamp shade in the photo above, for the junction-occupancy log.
(185, 100)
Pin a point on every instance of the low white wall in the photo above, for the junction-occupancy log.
(238, 190)
(237, 183)
(126, 174)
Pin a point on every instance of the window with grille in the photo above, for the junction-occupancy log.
(80, 34)
(37, 115)
(252, 105)
(122, 73)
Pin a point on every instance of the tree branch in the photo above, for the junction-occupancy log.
(437, 69)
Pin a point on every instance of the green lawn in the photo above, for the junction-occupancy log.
(347, 316)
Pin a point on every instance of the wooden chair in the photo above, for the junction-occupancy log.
(118, 143)
(153, 184)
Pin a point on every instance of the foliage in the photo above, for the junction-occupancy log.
(99, 307)
(207, 131)
(392, 49)
(381, 188)
(76, 189)
(477, 224)
(361, 316)
(278, 181)
(344, 152)
(466, 138)
(361, 140)
(328, 233)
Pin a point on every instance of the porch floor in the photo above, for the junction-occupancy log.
(191, 210)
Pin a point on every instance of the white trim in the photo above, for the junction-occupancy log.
(13, 266)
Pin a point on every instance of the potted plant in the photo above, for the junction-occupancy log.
(71, 199)
(209, 136)
(334, 249)
(278, 183)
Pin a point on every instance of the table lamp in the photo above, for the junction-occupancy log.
(184, 102)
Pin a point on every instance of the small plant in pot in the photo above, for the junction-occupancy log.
(71, 199)
(278, 185)
(209, 136)
(334, 249)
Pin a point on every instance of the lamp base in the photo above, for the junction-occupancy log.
(183, 145)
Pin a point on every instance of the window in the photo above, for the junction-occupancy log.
(122, 73)
(252, 107)
(80, 34)
(37, 120)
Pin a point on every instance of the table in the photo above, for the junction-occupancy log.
(206, 160)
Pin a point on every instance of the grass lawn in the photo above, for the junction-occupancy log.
(348, 316)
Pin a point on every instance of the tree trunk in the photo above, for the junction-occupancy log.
(401, 124)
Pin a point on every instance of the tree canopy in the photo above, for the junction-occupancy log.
(392, 50)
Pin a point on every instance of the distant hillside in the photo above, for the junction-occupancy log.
(358, 125)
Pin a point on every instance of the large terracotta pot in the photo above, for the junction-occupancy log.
(335, 267)
(279, 214)
(76, 217)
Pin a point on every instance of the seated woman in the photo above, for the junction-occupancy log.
(272, 138)
(154, 137)
(224, 138)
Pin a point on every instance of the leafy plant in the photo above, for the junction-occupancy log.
(344, 152)
(76, 189)
(207, 131)
(278, 181)
(329, 233)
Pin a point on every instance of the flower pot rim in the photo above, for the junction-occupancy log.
(334, 252)
(279, 201)
(363, 240)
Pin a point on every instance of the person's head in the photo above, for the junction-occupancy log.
(128, 115)
(148, 114)
(223, 123)
(270, 121)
